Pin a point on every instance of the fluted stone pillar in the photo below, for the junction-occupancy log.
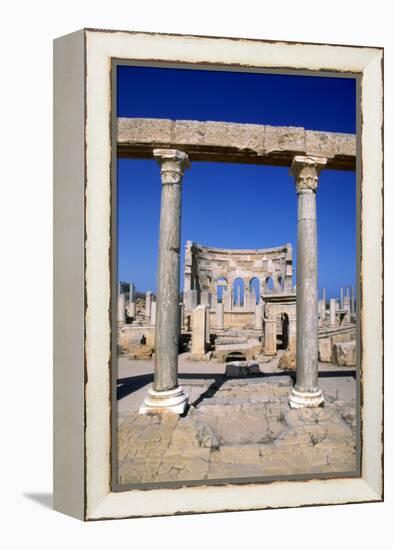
(166, 395)
(306, 392)
(341, 298)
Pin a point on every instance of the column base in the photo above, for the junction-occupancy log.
(299, 399)
(169, 401)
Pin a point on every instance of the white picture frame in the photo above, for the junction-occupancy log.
(82, 334)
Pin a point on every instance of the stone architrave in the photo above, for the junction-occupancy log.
(220, 316)
(153, 313)
(166, 395)
(121, 309)
(270, 347)
(198, 346)
(306, 392)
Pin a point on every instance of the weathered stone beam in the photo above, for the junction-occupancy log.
(234, 142)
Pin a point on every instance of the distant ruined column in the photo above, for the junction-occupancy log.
(341, 298)
(323, 310)
(352, 300)
(121, 307)
(306, 392)
(148, 300)
(332, 312)
(166, 395)
(153, 313)
(131, 297)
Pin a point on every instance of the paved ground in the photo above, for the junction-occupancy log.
(234, 428)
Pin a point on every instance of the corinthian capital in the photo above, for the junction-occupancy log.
(306, 171)
(173, 163)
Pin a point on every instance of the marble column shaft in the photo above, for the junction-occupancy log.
(172, 163)
(306, 391)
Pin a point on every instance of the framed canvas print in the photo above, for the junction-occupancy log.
(218, 274)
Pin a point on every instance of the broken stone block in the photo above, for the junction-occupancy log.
(287, 361)
(325, 350)
(139, 351)
(344, 354)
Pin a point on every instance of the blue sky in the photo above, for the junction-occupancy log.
(236, 205)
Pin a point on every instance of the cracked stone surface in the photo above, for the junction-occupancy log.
(237, 428)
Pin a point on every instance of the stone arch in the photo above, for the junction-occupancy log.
(220, 287)
(255, 286)
(269, 285)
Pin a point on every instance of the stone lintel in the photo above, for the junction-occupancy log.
(234, 142)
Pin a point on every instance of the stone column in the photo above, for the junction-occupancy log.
(292, 333)
(181, 313)
(131, 293)
(323, 311)
(347, 307)
(270, 347)
(153, 313)
(198, 344)
(132, 310)
(148, 301)
(341, 298)
(121, 308)
(220, 315)
(332, 312)
(166, 395)
(259, 316)
(207, 329)
(352, 300)
(306, 392)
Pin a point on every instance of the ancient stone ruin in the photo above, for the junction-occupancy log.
(237, 304)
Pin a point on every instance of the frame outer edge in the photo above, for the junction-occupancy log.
(69, 277)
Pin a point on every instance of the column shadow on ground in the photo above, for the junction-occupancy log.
(130, 384)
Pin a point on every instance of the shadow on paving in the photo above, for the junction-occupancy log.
(130, 384)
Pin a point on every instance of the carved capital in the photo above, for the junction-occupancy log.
(306, 171)
(173, 163)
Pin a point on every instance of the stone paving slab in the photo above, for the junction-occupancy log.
(234, 429)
